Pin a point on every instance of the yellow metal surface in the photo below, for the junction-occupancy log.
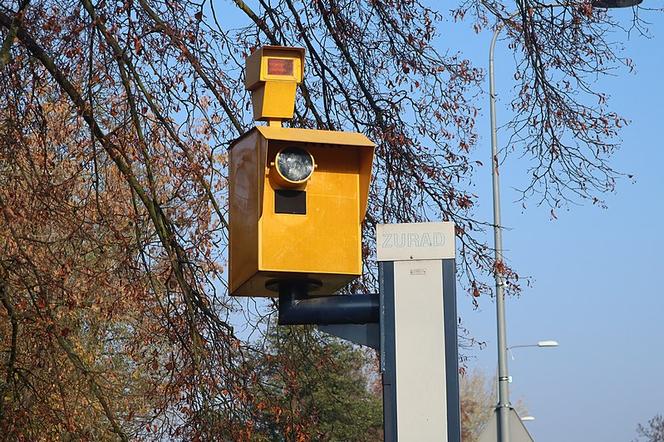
(323, 244)
(273, 93)
(335, 138)
(366, 165)
(256, 65)
(331, 137)
(327, 238)
(274, 100)
(245, 205)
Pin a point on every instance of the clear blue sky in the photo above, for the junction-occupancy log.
(597, 273)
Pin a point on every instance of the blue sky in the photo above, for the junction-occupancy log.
(597, 272)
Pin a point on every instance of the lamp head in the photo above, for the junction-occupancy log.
(547, 343)
(612, 4)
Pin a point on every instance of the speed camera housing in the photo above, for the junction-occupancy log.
(297, 201)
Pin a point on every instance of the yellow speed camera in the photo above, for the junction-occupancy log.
(297, 197)
(297, 201)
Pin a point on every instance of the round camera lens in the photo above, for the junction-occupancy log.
(295, 164)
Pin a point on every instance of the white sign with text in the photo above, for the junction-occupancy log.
(408, 241)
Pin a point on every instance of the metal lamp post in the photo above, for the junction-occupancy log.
(503, 407)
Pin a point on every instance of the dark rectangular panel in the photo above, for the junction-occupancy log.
(279, 66)
(451, 351)
(387, 350)
(290, 201)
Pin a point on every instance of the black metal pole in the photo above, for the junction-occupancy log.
(296, 307)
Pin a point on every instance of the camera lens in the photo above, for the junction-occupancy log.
(294, 164)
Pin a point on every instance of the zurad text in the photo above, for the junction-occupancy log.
(412, 239)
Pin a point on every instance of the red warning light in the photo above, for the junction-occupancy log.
(279, 66)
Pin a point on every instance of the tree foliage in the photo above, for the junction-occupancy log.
(115, 117)
(315, 388)
(562, 122)
(653, 431)
(478, 402)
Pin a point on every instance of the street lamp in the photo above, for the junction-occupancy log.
(503, 406)
(541, 344)
(614, 4)
(547, 344)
